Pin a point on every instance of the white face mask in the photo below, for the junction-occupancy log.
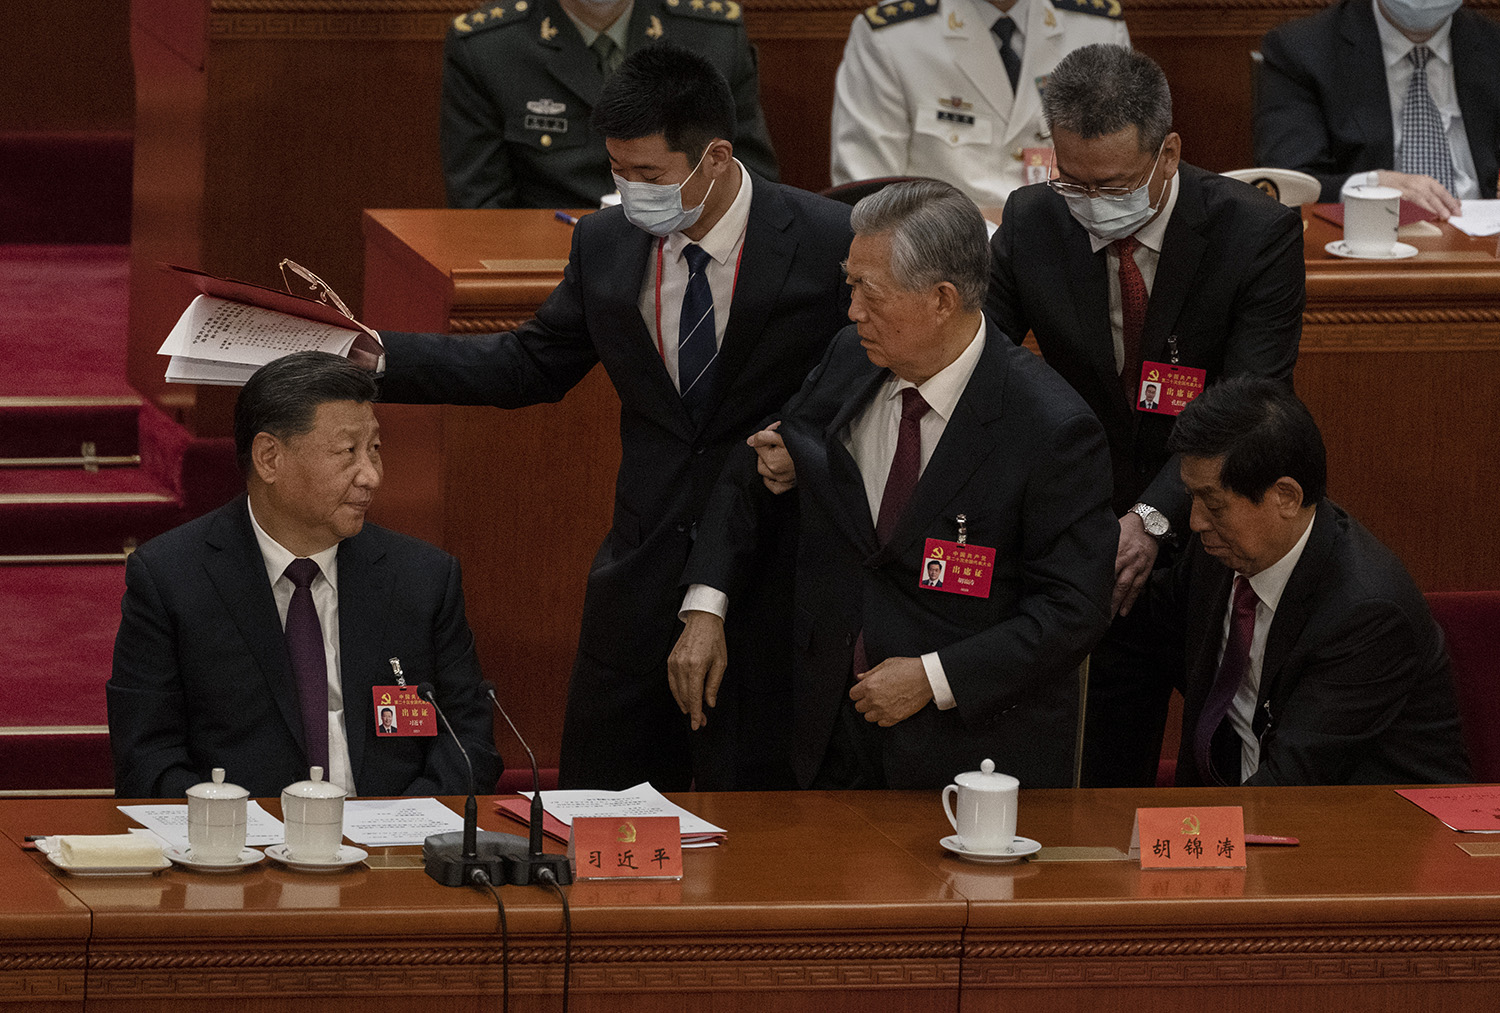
(657, 207)
(1108, 220)
(1420, 16)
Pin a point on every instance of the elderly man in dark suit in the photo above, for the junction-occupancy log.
(924, 433)
(1310, 655)
(1131, 265)
(1385, 91)
(253, 637)
(708, 296)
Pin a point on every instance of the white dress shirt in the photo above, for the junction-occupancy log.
(1394, 48)
(1147, 256)
(325, 595)
(1268, 585)
(723, 244)
(871, 440)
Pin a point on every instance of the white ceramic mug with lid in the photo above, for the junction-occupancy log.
(985, 814)
(1371, 216)
(313, 813)
(216, 820)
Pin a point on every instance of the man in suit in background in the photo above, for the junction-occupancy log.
(1131, 262)
(708, 296)
(1310, 655)
(520, 78)
(924, 432)
(1390, 92)
(253, 637)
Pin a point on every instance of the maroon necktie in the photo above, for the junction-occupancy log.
(1232, 670)
(906, 465)
(304, 640)
(1133, 298)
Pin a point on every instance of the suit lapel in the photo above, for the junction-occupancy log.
(1474, 80)
(567, 59)
(1177, 268)
(1088, 293)
(850, 506)
(632, 263)
(1044, 42)
(238, 573)
(364, 599)
(1368, 94)
(1294, 608)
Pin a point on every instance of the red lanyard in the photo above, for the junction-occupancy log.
(662, 242)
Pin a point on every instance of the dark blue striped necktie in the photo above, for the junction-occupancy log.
(697, 341)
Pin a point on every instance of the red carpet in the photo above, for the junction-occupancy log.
(63, 320)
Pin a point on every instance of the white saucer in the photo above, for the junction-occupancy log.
(348, 855)
(46, 847)
(248, 857)
(1398, 252)
(1019, 849)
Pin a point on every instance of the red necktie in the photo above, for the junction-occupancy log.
(1232, 670)
(304, 641)
(1133, 298)
(906, 465)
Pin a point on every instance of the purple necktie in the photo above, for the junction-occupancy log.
(1232, 670)
(304, 640)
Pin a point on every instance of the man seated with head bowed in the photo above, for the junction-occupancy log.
(1129, 266)
(1310, 655)
(924, 433)
(707, 296)
(253, 637)
(1398, 93)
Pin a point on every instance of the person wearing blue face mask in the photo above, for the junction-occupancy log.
(708, 296)
(1129, 266)
(1400, 93)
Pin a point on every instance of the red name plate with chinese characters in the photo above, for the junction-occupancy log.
(1210, 837)
(400, 712)
(1168, 389)
(630, 847)
(957, 569)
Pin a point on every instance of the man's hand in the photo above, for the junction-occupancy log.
(1134, 559)
(365, 352)
(1422, 190)
(696, 666)
(892, 691)
(774, 464)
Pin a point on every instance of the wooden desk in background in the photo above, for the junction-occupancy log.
(1400, 363)
(825, 902)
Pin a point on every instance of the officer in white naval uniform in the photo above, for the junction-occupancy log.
(922, 90)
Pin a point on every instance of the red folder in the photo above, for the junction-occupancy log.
(1409, 213)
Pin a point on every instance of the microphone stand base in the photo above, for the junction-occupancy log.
(522, 870)
(444, 859)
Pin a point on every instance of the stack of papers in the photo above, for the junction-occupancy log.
(1471, 809)
(1478, 218)
(169, 823)
(642, 800)
(371, 822)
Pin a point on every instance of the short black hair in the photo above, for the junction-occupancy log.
(388, 710)
(1262, 431)
(664, 89)
(1102, 89)
(282, 397)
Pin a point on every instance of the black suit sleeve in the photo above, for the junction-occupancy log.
(476, 165)
(1290, 123)
(1003, 301)
(457, 683)
(147, 711)
(538, 362)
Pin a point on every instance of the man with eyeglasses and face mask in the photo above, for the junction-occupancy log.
(1130, 261)
(708, 296)
(1399, 93)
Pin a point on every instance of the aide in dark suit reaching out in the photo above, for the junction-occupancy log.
(923, 433)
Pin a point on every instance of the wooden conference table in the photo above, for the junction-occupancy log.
(817, 901)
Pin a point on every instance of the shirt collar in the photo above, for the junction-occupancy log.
(1017, 14)
(277, 557)
(943, 389)
(1153, 233)
(619, 31)
(1394, 46)
(1269, 583)
(720, 241)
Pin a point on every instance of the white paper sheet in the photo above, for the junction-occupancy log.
(642, 800)
(216, 340)
(397, 821)
(1478, 218)
(170, 824)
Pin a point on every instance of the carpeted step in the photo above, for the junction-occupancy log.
(58, 624)
(64, 324)
(65, 186)
(33, 428)
(45, 510)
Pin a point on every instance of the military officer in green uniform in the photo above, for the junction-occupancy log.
(520, 79)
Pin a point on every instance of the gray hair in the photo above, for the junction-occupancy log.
(1101, 89)
(282, 397)
(937, 235)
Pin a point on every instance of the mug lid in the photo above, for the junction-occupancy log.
(314, 787)
(985, 779)
(217, 788)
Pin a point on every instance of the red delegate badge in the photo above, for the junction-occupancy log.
(1167, 389)
(400, 712)
(957, 567)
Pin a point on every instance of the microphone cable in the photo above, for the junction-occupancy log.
(478, 877)
(547, 876)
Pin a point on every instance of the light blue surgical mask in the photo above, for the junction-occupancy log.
(657, 207)
(1111, 216)
(1421, 17)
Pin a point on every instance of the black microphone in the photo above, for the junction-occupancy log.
(452, 858)
(523, 872)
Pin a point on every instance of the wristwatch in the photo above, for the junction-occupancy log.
(1155, 521)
